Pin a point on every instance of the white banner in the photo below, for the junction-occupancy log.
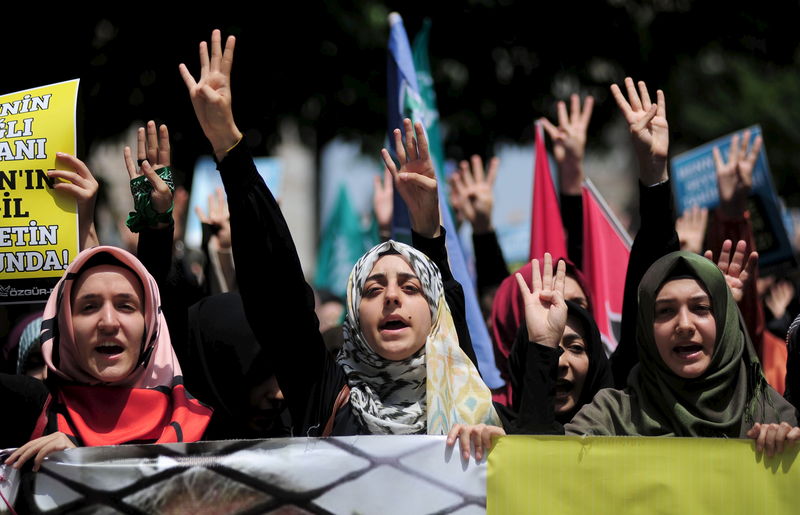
(361, 474)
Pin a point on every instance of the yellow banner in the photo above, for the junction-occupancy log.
(567, 474)
(38, 225)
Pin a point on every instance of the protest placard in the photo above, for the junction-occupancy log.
(38, 225)
(694, 182)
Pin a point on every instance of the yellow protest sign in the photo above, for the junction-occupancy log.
(568, 474)
(38, 225)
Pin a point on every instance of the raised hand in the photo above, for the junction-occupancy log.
(383, 203)
(152, 193)
(569, 141)
(152, 153)
(779, 297)
(83, 187)
(211, 95)
(735, 178)
(649, 130)
(474, 190)
(218, 217)
(545, 308)
(737, 271)
(416, 179)
(39, 449)
(691, 229)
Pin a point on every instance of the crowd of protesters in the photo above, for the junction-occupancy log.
(132, 349)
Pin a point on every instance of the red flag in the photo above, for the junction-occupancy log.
(547, 232)
(606, 249)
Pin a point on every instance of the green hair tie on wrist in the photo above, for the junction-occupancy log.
(144, 215)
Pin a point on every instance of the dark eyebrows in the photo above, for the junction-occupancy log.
(376, 277)
(88, 296)
(96, 296)
(381, 277)
(569, 338)
(700, 297)
(405, 276)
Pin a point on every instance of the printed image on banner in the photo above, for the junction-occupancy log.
(358, 474)
(695, 184)
(38, 225)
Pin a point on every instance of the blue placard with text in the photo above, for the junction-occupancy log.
(694, 183)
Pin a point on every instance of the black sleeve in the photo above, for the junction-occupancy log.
(23, 400)
(278, 302)
(154, 250)
(436, 250)
(572, 218)
(792, 391)
(656, 238)
(490, 265)
(534, 371)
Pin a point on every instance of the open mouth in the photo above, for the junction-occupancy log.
(109, 349)
(687, 351)
(393, 325)
(563, 387)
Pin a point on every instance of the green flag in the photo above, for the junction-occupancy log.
(344, 240)
(428, 96)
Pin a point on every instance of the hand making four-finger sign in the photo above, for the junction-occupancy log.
(648, 126)
(545, 308)
(152, 152)
(737, 271)
(735, 177)
(416, 179)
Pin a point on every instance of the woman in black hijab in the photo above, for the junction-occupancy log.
(557, 363)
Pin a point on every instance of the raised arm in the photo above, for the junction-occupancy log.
(569, 148)
(218, 221)
(152, 189)
(534, 359)
(569, 141)
(415, 180)
(278, 303)
(472, 188)
(647, 123)
(211, 94)
(731, 221)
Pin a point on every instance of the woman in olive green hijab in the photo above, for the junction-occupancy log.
(698, 373)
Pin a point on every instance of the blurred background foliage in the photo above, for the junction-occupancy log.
(497, 65)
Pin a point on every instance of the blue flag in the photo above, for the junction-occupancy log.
(405, 101)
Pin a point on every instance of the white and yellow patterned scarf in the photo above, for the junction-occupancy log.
(428, 392)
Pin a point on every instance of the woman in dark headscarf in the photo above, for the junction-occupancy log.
(557, 363)
(698, 373)
(508, 315)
